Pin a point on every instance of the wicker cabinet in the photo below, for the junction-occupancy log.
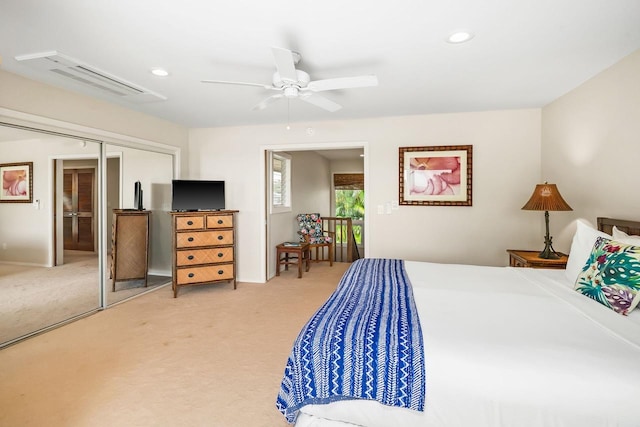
(129, 246)
(204, 248)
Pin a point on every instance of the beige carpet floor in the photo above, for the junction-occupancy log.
(33, 298)
(212, 357)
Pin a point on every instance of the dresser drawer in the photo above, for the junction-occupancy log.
(203, 256)
(189, 222)
(219, 221)
(208, 273)
(204, 238)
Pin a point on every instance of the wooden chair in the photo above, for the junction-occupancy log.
(310, 230)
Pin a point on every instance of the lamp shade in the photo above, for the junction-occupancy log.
(546, 197)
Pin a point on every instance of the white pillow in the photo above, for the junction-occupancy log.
(621, 236)
(581, 246)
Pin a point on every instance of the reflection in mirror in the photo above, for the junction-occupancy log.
(48, 232)
(138, 259)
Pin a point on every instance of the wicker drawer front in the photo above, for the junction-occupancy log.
(219, 221)
(204, 256)
(131, 235)
(204, 274)
(204, 238)
(189, 222)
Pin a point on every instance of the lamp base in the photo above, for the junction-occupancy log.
(548, 253)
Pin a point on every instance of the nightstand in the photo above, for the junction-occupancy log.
(530, 259)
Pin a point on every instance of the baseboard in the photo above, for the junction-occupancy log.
(24, 264)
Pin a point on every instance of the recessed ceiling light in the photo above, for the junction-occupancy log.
(160, 72)
(460, 36)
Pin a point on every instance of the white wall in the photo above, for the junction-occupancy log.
(347, 166)
(591, 148)
(506, 167)
(310, 184)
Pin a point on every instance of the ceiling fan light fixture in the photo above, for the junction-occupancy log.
(291, 92)
(302, 80)
(160, 72)
(459, 36)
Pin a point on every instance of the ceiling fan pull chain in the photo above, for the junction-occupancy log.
(288, 112)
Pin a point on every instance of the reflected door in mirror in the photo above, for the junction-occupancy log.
(78, 209)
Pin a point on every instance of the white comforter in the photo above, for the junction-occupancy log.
(510, 347)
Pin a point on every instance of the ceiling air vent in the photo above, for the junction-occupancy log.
(72, 69)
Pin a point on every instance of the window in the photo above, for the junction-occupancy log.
(349, 194)
(280, 182)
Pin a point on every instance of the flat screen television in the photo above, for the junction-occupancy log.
(197, 195)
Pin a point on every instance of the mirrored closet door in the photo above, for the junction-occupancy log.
(51, 223)
(137, 236)
(49, 230)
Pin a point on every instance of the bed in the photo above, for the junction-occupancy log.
(495, 346)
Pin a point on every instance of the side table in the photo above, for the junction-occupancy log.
(530, 259)
(293, 254)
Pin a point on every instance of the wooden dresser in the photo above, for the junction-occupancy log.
(204, 248)
(129, 246)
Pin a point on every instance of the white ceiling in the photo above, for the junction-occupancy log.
(525, 53)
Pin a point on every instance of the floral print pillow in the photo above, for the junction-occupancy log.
(611, 275)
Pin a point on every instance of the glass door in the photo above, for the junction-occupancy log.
(136, 236)
(49, 245)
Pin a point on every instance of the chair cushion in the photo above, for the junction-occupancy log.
(310, 225)
(319, 240)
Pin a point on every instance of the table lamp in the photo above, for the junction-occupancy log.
(546, 197)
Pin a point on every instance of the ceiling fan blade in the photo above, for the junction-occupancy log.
(225, 82)
(285, 64)
(320, 101)
(343, 83)
(266, 102)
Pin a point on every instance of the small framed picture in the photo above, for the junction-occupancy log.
(436, 176)
(17, 182)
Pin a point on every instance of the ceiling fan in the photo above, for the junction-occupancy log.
(291, 83)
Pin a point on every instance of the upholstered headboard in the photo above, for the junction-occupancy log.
(629, 227)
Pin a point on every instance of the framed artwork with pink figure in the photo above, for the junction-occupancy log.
(436, 176)
(17, 182)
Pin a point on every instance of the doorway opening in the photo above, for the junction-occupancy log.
(348, 202)
(309, 179)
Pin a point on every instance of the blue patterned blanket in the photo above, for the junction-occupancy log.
(365, 342)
